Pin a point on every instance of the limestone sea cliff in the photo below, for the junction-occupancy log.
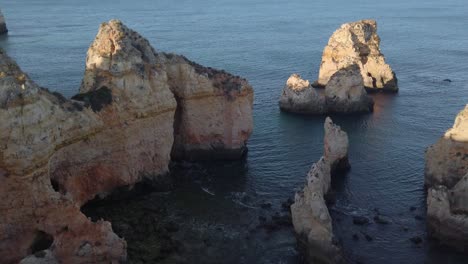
(310, 215)
(135, 107)
(358, 43)
(447, 183)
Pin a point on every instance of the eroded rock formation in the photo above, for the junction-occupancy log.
(358, 43)
(311, 219)
(56, 154)
(344, 93)
(299, 97)
(447, 183)
(3, 27)
(36, 125)
(214, 110)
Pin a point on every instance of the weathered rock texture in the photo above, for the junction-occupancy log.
(299, 97)
(447, 183)
(37, 127)
(214, 110)
(311, 219)
(57, 154)
(3, 27)
(358, 43)
(344, 93)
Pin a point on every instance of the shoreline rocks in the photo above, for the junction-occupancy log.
(357, 43)
(311, 218)
(57, 154)
(446, 177)
(3, 27)
(344, 93)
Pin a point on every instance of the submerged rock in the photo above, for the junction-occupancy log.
(447, 183)
(360, 220)
(56, 154)
(3, 27)
(310, 215)
(358, 43)
(299, 97)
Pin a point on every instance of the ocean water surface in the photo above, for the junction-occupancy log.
(218, 206)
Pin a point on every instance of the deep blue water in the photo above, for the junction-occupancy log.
(425, 42)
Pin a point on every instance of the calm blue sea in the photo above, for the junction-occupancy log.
(425, 41)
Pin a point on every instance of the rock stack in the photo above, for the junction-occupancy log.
(357, 43)
(344, 94)
(299, 97)
(311, 219)
(447, 182)
(136, 108)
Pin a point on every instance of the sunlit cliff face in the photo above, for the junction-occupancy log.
(459, 131)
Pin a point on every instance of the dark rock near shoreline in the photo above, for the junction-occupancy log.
(379, 219)
(3, 27)
(360, 220)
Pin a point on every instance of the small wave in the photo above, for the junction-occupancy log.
(205, 189)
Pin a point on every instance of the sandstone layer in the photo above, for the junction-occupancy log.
(3, 27)
(358, 43)
(310, 215)
(344, 93)
(56, 154)
(447, 182)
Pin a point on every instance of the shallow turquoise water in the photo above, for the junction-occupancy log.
(265, 41)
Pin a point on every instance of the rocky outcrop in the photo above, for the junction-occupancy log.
(37, 127)
(310, 216)
(358, 43)
(447, 182)
(344, 93)
(214, 110)
(299, 97)
(56, 154)
(3, 27)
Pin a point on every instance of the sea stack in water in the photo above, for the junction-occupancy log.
(299, 97)
(358, 43)
(344, 93)
(3, 27)
(311, 219)
(56, 154)
(447, 183)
